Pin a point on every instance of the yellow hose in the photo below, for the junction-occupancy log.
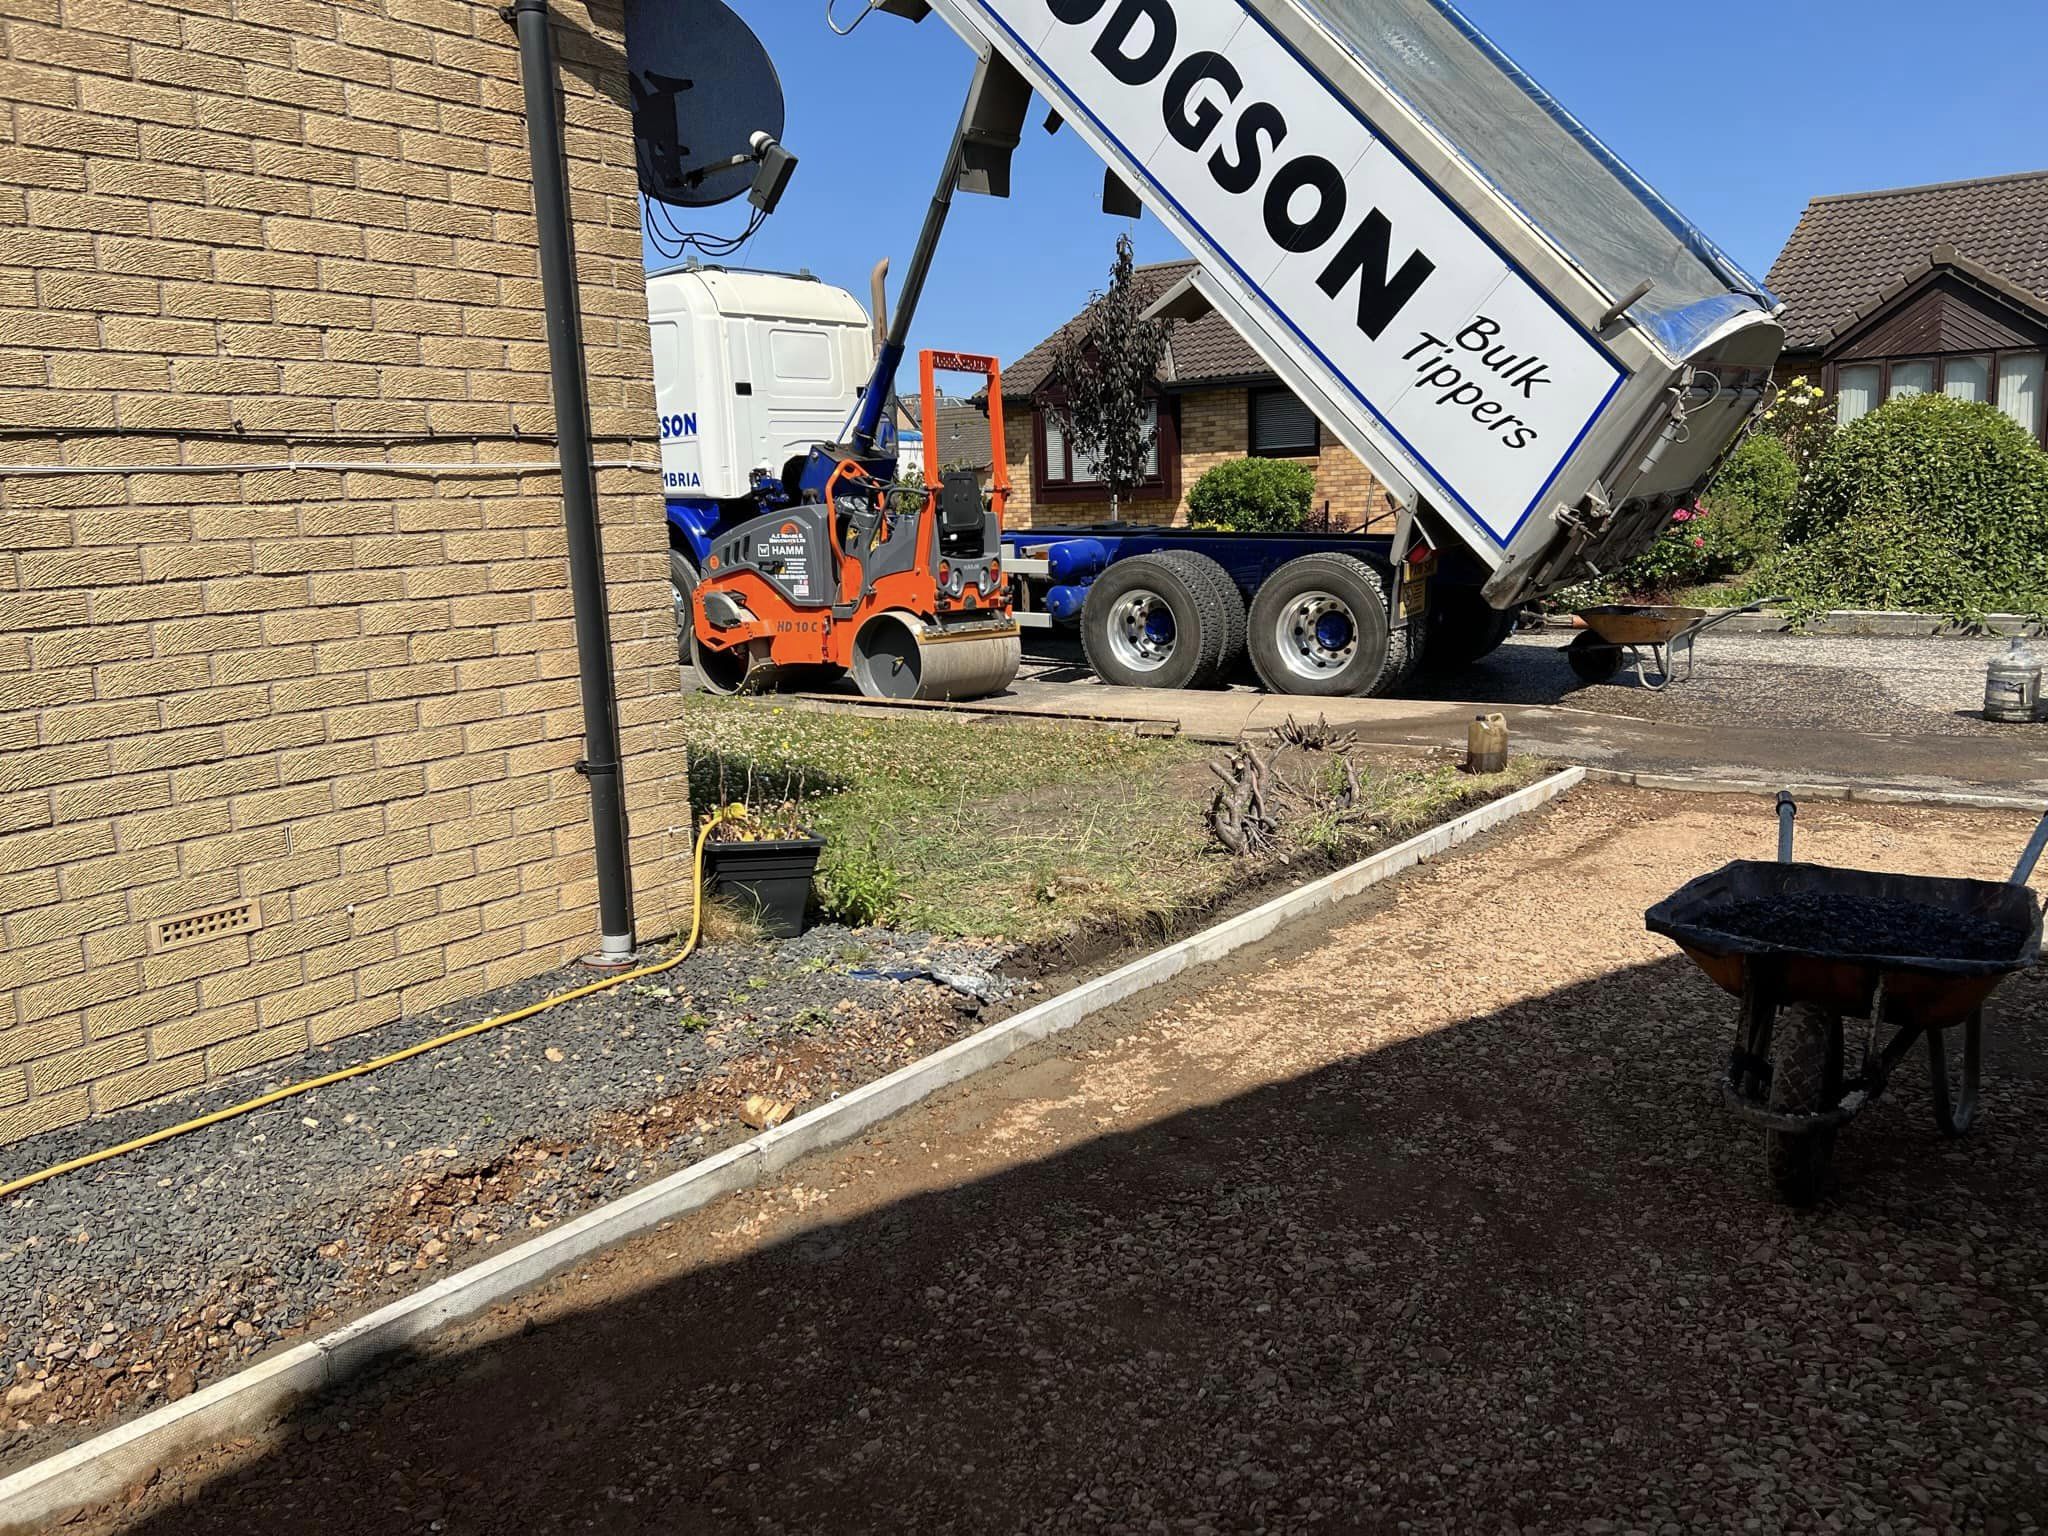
(309, 1084)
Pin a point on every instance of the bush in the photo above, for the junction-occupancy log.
(1253, 496)
(1750, 500)
(1802, 417)
(1739, 523)
(1928, 504)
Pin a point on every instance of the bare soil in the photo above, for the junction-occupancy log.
(1424, 1218)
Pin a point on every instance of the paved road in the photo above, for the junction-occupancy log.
(1897, 713)
(1780, 709)
(1425, 1220)
(1925, 686)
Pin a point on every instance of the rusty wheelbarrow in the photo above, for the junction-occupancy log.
(1659, 640)
(1805, 946)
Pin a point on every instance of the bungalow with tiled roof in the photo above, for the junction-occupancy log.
(1215, 400)
(1920, 289)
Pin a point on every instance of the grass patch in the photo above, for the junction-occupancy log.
(1027, 833)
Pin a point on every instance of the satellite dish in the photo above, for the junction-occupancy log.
(703, 86)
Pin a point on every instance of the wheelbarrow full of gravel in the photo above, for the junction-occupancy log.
(1807, 946)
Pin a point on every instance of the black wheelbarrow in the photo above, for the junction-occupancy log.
(1805, 946)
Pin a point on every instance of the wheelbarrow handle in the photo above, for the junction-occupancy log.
(1725, 615)
(2023, 871)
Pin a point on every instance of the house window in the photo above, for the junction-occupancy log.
(1967, 378)
(1064, 472)
(1910, 379)
(2010, 380)
(1067, 465)
(1856, 391)
(1281, 426)
(2019, 389)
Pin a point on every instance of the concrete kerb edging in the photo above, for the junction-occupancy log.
(46, 1493)
(1867, 623)
(1855, 793)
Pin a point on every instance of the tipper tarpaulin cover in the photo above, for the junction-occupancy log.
(1543, 160)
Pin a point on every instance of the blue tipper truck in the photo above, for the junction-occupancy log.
(1535, 353)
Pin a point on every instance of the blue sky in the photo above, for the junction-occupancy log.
(1737, 116)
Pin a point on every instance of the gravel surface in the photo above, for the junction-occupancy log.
(134, 1281)
(1836, 923)
(1425, 1219)
(1924, 686)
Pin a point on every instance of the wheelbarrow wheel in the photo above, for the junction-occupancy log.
(1592, 659)
(1797, 1161)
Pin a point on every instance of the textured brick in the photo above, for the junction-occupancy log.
(46, 1113)
(197, 1031)
(268, 1045)
(147, 1082)
(120, 872)
(305, 218)
(302, 1002)
(353, 1019)
(195, 960)
(138, 1010)
(87, 1064)
(38, 1040)
(69, 994)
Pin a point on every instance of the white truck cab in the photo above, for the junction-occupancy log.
(750, 369)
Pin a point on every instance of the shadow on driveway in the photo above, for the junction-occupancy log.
(1519, 1275)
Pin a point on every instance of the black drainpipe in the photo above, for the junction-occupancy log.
(579, 487)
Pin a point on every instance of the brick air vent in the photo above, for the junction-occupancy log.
(198, 927)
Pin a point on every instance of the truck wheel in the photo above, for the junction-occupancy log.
(1406, 649)
(1318, 626)
(1592, 659)
(1229, 604)
(1797, 1161)
(1464, 628)
(682, 586)
(1151, 622)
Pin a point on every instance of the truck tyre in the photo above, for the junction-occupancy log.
(1593, 661)
(682, 583)
(1229, 604)
(1797, 1161)
(1465, 628)
(1406, 649)
(1151, 622)
(1318, 626)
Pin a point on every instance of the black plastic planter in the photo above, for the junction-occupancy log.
(771, 879)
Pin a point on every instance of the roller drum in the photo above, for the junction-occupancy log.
(897, 656)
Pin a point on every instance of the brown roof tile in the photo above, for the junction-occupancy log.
(1848, 249)
(1201, 351)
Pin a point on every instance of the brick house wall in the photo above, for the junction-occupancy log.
(1215, 426)
(346, 696)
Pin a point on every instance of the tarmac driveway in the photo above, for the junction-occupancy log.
(1426, 1220)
